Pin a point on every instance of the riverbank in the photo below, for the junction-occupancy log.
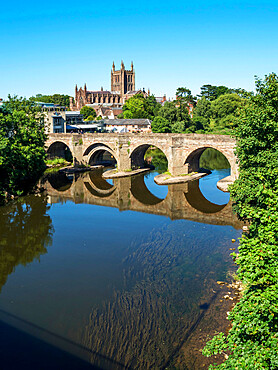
(213, 318)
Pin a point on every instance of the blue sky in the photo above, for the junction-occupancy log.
(49, 47)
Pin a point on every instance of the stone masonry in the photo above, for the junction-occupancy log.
(183, 151)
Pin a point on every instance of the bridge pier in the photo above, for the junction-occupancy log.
(124, 159)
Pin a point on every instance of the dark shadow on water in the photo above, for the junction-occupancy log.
(99, 181)
(59, 181)
(197, 200)
(140, 192)
(21, 350)
(97, 193)
(204, 306)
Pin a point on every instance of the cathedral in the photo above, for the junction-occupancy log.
(122, 88)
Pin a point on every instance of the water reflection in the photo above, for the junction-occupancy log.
(140, 193)
(198, 201)
(208, 187)
(122, 289)
(26, 232)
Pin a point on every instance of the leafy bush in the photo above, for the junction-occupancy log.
(56, 161)
(252, 342)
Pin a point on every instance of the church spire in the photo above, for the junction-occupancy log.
(113, 67)
(132, 66)
(122, 65)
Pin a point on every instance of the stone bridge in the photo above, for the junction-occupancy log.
(182, 151)
(183, 201)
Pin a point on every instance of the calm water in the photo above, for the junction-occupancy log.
(110, 274)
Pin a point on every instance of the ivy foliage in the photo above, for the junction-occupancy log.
(252, 342)
(22, 152)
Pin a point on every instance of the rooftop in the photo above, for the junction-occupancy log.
(120, 122)
(72, 113)
(103, 92)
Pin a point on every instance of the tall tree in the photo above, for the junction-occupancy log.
(220, 114)
(184, 95)
(22, 138)
(212, 92)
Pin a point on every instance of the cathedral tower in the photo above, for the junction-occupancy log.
(122, 80)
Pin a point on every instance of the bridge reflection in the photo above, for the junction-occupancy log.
(183, 201)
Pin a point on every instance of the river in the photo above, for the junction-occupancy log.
(114, 274)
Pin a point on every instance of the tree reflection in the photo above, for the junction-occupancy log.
(26, 231)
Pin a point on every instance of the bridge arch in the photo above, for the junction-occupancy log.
(97, 154)
(102, 155)
(59, 149)
(193, 157)
(94, 146)
(138, 153)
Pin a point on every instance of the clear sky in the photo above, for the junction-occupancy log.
(48, 47)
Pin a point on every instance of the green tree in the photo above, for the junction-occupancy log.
(60, 99)
(178, 127)
(173, 113)
(202, 114)
(219, 115)
(160, 124)
(252, 341)
(225, 109)
(211, 92)
(184, 95)
(90, 118)
(140, 107)
(22, 153)
(88, 111)
(152, 106)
